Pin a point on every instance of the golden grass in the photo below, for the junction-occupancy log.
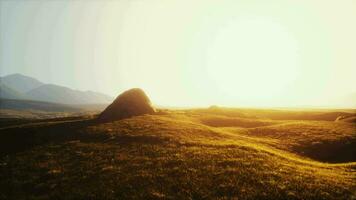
(178, 155)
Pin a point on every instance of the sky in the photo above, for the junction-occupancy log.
(187, 53)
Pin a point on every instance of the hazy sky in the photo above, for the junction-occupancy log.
(186, 52)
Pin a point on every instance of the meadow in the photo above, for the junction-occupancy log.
(215, 153)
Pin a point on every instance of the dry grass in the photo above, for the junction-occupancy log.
(178, 155)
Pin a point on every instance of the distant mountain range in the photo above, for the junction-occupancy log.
(20, 87)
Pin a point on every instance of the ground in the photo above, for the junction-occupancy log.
(212, 153)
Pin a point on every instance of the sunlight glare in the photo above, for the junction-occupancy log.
(254, 59)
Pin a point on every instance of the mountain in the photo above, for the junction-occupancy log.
(59, 94)
(8, 93)
(21, 83)
(18, 86)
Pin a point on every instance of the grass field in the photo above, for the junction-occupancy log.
(213, 153)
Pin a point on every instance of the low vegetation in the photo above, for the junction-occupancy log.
(190, 154)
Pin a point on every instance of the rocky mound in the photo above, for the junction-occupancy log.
(131, 103)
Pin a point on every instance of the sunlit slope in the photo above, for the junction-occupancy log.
(172, 155)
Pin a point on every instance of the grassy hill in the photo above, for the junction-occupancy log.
(186, 154)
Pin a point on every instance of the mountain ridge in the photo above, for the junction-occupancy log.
(21, 87)
(20, 83)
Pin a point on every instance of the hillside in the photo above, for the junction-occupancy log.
(59, 94)
(178, 155)
(20, 83)
(17, 86)
(9, 93)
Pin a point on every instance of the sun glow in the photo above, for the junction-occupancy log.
(250, 61)
(184, 53)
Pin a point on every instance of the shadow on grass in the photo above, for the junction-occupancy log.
(17, 139)
(20, 138)
(340, 151)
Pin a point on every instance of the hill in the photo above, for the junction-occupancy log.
(9, 93)
(130, 103)
(20, 83)
(176, 154)
(59, 94)
(17, 86)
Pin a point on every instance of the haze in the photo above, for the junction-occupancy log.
(184, 53)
